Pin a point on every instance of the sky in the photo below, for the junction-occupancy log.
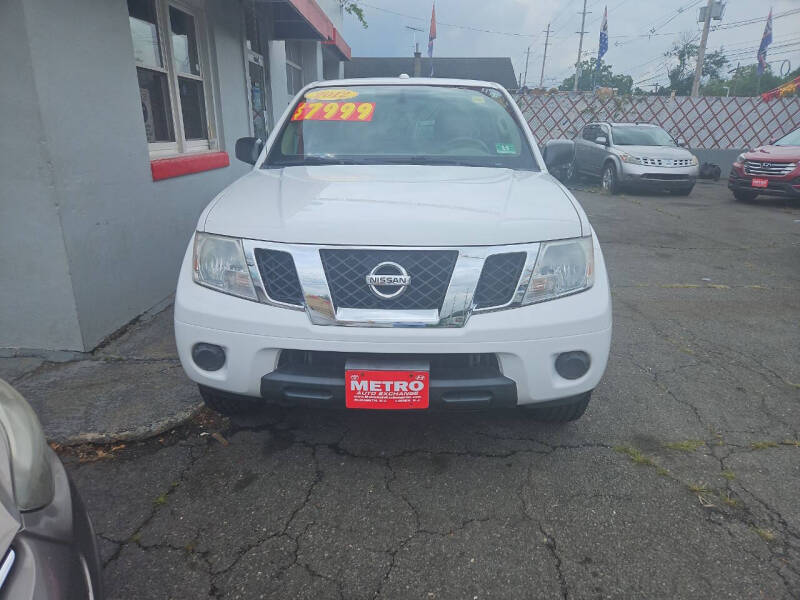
(640, 32)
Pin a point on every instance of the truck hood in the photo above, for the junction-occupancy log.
(406, 205)
(655, 151)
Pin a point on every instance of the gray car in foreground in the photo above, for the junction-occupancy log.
(47, 544)
(634, 156)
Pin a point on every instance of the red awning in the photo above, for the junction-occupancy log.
(304, 19)
(337, 42)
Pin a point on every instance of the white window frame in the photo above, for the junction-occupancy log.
(181, 145)
(296, 66)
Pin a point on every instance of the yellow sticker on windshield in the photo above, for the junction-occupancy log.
(478, 99)
(331, 94)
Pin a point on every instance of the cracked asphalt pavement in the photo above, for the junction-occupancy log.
(681, 481)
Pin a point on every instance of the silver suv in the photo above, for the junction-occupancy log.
(634, 155)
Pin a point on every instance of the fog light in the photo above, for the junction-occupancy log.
(572, 365)
(208, 357)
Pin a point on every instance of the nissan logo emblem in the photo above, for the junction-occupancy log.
(388, 275)
(766, 165)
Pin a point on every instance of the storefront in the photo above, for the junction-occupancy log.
(107, 181)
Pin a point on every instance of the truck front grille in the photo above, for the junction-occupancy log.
(667, 162)
(346, 271)
(776, 169)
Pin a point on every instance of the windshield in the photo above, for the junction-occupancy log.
(408, 124)
(790, 139)
(640, 136)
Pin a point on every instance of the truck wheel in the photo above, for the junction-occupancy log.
(743, 196)
(610, 181)
(228, 404)
(570, 411)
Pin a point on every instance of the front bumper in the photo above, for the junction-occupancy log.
(658, 178)
(56, 549)
(788, 187)
(525, 340)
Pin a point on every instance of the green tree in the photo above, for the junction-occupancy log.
(352, 8)
(603, 77)
(744, 82)
(681, 75)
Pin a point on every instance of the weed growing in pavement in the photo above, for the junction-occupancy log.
(766, 534)
(685, 446)
(795, 443)
(698, 488)
(763, 445)
(635, 455)
(728, 474)
(161, 500)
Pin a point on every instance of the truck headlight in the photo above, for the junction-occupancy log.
(562, 267)
(28, 451)
(695, 162)
(628, 158)
(740, 159)
(219, 263)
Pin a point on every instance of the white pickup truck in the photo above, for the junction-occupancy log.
(398, 244)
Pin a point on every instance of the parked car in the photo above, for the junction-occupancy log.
(771, 170)
(399, 244)
(47, 544)
(634, 156)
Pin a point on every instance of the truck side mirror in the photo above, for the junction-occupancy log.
(602, 140)
(681, 142)
(248, 149)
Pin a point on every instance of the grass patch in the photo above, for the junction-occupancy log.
(136, 538)
(686, 445)
(732, 502)
(682, 286)
(795, 443)
(662, 471)
(698, 488)
(728, 474)
(161, 500)
(763, 445)
(635, 455)
(765, 534)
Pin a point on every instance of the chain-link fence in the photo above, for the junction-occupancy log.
(703, 122)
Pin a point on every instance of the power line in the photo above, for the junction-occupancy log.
(443, 24)
(742, 23)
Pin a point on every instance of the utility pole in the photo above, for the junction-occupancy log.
(701, 52)
(544, 58)
(580, 47)
(527, 58)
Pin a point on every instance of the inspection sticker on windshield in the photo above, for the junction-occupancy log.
(334, 111)
(386, 390)
(331, 94)
(505, 148)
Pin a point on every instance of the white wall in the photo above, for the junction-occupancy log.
(123, 233)
(37, 306)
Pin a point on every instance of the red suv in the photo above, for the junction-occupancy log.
(772, 170)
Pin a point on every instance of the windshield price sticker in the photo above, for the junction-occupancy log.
(334, 111)
(332, 94)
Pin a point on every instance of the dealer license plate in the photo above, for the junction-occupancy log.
(759, 182)
(386, 389)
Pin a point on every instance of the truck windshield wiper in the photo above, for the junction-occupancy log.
(314, 161)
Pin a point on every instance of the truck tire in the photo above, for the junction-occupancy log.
(610, 179)
(562, 413)
(744, 196)
(228, 404)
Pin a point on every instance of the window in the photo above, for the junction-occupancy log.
(168, 48)
(294, 67)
